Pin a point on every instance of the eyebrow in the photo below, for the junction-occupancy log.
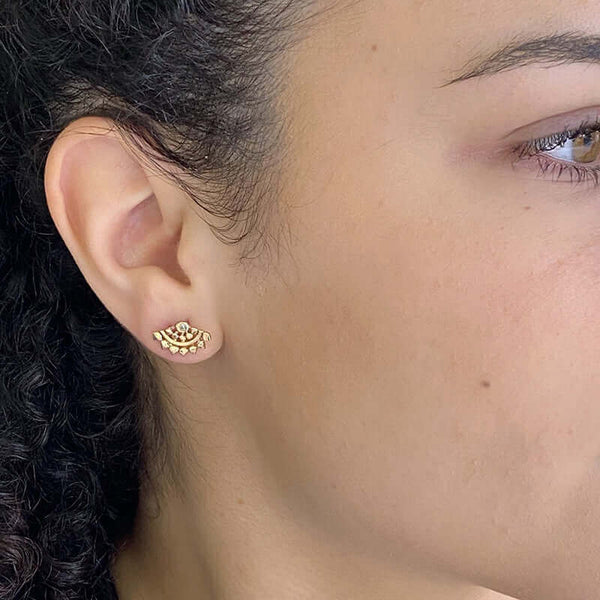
(565, 48)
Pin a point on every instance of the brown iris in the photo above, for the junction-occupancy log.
(585, 148)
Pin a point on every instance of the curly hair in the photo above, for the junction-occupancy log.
(82, 418)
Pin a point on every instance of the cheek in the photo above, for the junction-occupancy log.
(430, 382)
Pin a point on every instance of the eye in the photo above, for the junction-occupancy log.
(572, 155)
(585, 148)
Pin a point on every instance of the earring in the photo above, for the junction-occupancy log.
(182, 338)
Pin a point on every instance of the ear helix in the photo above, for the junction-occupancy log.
(182, 338)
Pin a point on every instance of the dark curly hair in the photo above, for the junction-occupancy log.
(82, 408)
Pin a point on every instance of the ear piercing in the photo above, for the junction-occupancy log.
(182, 338)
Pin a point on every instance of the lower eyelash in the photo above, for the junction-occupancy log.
(559, 171)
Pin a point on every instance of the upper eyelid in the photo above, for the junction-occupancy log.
(558, 122)
(499, 149)
(564, 134)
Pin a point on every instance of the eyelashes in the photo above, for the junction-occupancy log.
(571, 155)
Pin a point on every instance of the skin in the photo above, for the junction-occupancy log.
(405, 404)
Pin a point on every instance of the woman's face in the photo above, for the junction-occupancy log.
(423, 362)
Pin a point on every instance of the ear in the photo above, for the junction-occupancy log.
(146, 254)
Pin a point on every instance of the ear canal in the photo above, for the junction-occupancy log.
(182, 338)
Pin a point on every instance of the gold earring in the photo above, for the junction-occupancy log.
(182, 338)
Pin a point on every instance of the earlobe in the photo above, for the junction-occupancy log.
(123, 225)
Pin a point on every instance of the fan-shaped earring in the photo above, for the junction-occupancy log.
(182, 338)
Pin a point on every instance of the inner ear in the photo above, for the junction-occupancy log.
(146, 239)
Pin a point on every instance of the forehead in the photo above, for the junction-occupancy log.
(441, 36)
(462, 17)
